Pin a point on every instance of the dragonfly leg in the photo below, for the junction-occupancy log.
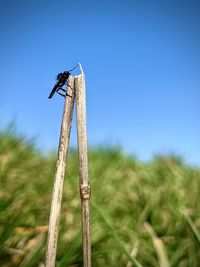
(63, 90)
(68, 85)
(61, 94)
(64, 95)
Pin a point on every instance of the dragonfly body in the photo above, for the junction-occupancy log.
(62, 79)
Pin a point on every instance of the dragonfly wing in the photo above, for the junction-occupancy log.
(54, 89)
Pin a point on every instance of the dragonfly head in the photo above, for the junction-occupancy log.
(66, 74)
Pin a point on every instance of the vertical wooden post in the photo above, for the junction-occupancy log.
(59, 176)
(83, 165)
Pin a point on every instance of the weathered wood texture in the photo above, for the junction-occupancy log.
(83, 165)
(59, 176)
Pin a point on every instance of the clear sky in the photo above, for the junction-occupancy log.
(142, 65)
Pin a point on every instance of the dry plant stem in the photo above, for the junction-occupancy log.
(159, 246)
(59, 176)
(83, 165)
(133, 254)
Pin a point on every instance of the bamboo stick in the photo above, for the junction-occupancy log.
(59, 176)
(83, 165)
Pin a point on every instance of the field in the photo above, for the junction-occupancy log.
(142, 214)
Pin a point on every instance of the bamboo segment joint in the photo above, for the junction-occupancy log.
(85, 191)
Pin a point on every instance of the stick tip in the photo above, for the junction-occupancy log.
(81, 69)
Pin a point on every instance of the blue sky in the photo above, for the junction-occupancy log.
(142, 65)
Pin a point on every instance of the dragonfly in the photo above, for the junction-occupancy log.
(62, 80)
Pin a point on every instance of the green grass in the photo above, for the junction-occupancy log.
(142, 214)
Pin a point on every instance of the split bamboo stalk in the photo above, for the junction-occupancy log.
(59, 176)
(83, 165)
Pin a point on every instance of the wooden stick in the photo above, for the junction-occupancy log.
(83, 165)
(59, 176)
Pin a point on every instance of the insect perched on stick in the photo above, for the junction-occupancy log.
(61, 81)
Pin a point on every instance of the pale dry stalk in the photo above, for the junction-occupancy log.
(59, 176)
(83, 165)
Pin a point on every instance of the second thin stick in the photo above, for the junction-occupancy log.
(83, 165)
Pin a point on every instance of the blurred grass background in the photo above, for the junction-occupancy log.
(142, 214)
